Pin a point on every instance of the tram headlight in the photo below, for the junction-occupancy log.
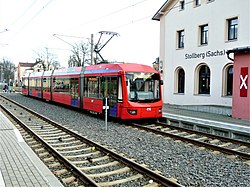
(160, 110)
(132, 112)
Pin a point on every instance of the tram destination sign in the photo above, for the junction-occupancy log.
(207, 54)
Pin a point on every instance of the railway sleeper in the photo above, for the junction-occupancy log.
(75, 150)
(225, 144)
(239, 148)
(65, 137)
(59, 144)
(60, 172)
(68, 180)
(55, 131)
(36, 146)
(45, 128)
(118, 171)
(201, 138)
(180, 133)
(165, 129)
(49, 159)
(172, 131)
(190, 135)
(93, 160)
(47, 134)
(44, 154)
(55, 165)
(248, 162)
(214, 141)
(120, 181)
(71, 147)
(156, 127)
(82, 155)
(99, 166)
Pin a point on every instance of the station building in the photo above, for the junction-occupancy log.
(194, 38)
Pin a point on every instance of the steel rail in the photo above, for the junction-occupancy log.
(82, 176)
(151, 174)
(206, 134)
(196, 142)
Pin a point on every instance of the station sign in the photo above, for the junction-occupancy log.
(206, 54)
(243, 81)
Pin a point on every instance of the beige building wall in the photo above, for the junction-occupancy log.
(215, 13)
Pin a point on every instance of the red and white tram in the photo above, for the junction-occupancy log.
(133, 90)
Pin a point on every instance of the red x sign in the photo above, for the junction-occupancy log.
(243, 82)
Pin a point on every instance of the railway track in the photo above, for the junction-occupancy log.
(76, 160)
(232, 147)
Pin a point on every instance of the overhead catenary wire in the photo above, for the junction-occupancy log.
(32, 18)
(115, 26)
(55, 35)
(148, 16)
(21, 15)
(111, 13)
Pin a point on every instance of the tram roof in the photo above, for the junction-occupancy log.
(36, 74)
(127, 67)
(99, 68)
(68, 71)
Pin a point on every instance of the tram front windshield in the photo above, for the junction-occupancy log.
(143, 87)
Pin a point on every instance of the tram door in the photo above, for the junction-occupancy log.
(109, 86)
(74, 91)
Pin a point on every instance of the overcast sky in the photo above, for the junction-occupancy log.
(31, 25)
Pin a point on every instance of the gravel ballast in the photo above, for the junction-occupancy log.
(187, 163)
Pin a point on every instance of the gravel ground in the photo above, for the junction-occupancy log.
(189, 165)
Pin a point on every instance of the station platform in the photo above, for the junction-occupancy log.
(208, 120)
(19, 165)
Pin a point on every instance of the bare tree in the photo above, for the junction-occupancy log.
(81, 55)
(47, 60)
(7, 70)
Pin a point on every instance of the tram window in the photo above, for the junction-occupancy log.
(109, 87)
(32, 82)
(61, 85)
(113, 87)
(46, 84)
(143, 87)
(38, 84)
(74, 88)
(120, 89)
(25, 83)
(85, 87)
(91, 87)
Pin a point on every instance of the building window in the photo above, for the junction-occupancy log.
(229, 80)
(197, 3)
(204, 80)
(180, 35)
(203, 34)
(181, 81)
(232, 28)
(182, 4)
(227, 87)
